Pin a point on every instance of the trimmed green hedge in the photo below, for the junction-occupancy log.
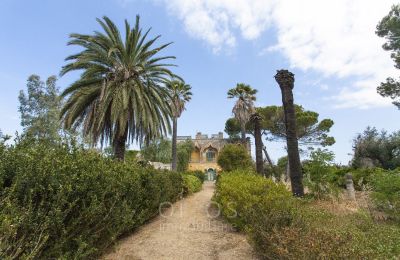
(191, 184)
(69, 203)
(199, 174)
(282, 227)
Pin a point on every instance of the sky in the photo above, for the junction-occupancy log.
(330, 46)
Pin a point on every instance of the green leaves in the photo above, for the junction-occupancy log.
(389, 28)
(121, 88)
(233, 157)
(310, 131)
(180, 94)
(40, 107)
(63, 202)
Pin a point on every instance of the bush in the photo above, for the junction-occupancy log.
(282, 227)
(386, 192)
(233, 157)
(363, 177)
(65, 202)
(191, 184)
(243, 196)
(319, 174)
(199, 174)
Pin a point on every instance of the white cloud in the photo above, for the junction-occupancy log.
(335, 38)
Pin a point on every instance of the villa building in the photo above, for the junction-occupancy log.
(205, 154)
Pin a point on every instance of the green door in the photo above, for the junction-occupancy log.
(210, 174)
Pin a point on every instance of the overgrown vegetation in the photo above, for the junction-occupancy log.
(283, 227)
(376, 149)
(234, 156)
(319, 174)
(61, 201)
(191, 184)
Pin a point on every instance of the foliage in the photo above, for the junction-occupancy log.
(283, 227)
(233, 157)
(363, 177)
(4, 138)
(310, 131)
(63, 202)
(191, 184)
(131, 155)
(180, 94)
(199, 174)
(120, 96)
(40, 108)
(158, 150)
(232, 128)
(242, 193)
(376, 149)
(388, 28)
(386, 192)
(184, 151)
(281, 165)
(244, 105)
(319, 174)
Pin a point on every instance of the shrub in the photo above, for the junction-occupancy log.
(233, 157)
(191, 184)
(65, 202)
(245, 197)
(319, 173)
(199, 174)
(364, 176)
(282, 227)
(184, 151)
(386, 192)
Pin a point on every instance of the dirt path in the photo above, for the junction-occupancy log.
(187, 230)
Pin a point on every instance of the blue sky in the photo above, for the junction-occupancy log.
(331, 47)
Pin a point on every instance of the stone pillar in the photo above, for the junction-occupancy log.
(350, 187)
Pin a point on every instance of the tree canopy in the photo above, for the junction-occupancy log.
(389, 28)
(120, 95)
(310, 130)
(244, 105)
(376, 149)
(40, 108)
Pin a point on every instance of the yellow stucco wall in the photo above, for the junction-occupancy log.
(203, 166)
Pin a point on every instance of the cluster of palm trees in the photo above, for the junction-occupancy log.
(245, 112)
(126, 91)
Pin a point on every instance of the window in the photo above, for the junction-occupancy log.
(210, 155)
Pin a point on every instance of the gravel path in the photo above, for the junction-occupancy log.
(187, 230)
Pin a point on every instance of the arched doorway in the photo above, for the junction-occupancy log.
(211, 174)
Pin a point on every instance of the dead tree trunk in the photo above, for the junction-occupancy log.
(285, 80)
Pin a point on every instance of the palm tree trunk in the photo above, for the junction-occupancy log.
(285, 80)
(119, 145)
(273, 167)
(259, 144)
(174, 136)
(243, 133)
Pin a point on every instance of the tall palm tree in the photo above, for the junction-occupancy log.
(120, 95)
(285, 80)
(180, 94)
(256, 120)
(244, 106)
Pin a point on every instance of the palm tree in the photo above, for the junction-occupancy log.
(256, 120)
(180, 94)
(244, 106)
(120, 95)
(285, 80)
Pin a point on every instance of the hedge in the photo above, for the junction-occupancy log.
(282, 227)
(70, 203)
(191, 184)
